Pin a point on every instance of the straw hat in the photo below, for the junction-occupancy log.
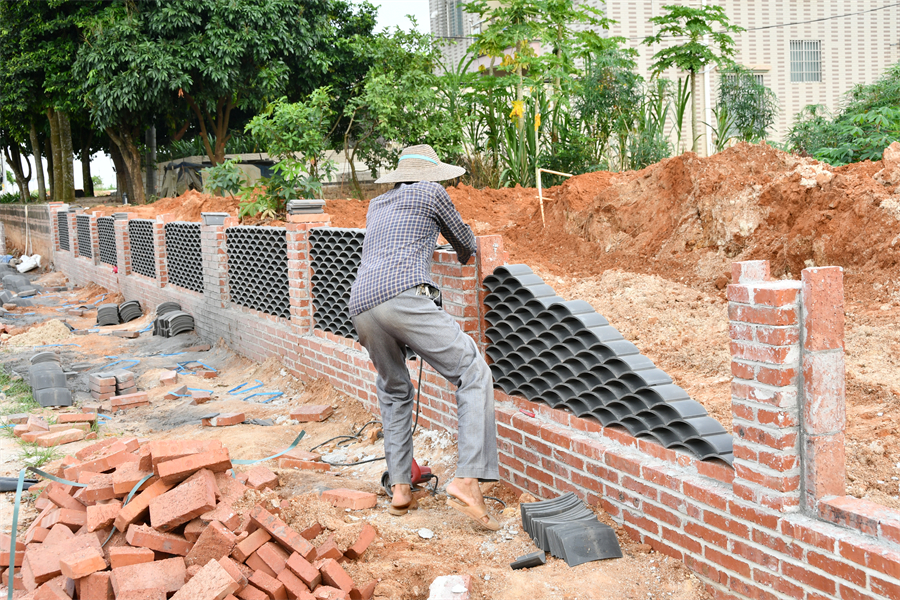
(420, 163)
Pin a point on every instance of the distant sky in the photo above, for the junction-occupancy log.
(393, 12)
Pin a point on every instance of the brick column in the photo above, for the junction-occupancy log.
(123, 245)
(159, 243)
(300, 268)
(765, 349)
(459, 289)
(73, 234)
(490, 255)
(824, 407)
(95, 237)
(215, 263)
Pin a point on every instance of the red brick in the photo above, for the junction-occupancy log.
(187, 501)
(366, 592)
(59, 494)
(742, 370)
(100, 487)
(212, 582)
(366, 537)
(762, 315)
(334, 575)
(82, 563)
(777, 355)
(234, 570)
(44, 559)
(61, 437)
(294, 586)
(215, 542)
(258, 564)
(352, 499)
(273, 556)
(167, 575)
(76, 418)
(326, 592)
(129, 401)
(311, 412)
(122, 556)
(302, 568)
(127, 475)
(251, 592)
(807, 577)
(224, 420)
(59, 588)
(139, 504)
(250, 544)
(147, 537)
(823, 304)
(273, 588)
(166, 450)
(168, 378)
(727, 561)
(73, 519)
(885, 589)
(260, 478)
(825, 468)
(328, 549)
(777, 336)
(179, 469)
(836, 568)
(101, 516)
(277, 528)
(95, 587)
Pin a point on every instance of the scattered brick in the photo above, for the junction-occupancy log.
(178, 392)
(193, 530)
(251, 592)
(59, 588)
(367, 592)
(59, 494)
(290, 459)
(168, 378)
(260, 478)
(166, 574)
(234, 570)
(36, 423)
(312, 413)
(326, 592)
(294, 585)
(352, 499)
(73, 519)
(179, 469)
(127, 475)
(100, 487)
(82, 563)
(334, 575)
(146, 594)
(147, 537)
(312, 532)
(258, 564)
(95, 587)
(207, 374)
(123, 556)
(279, 530)
(76, 418)
(101, 516)
(59, 438)
(302, 568)
(18, 418)
(366, 537)
(250, 544)
(223, 420)
(130, 401)
(130, 335)
(212, 582)
(273, 588)
(200, 396)
(215, 542)
(187, 501)
(328, 549)
(140, 503)
(43, 560)
(273, 556)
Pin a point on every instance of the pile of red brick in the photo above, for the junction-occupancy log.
(69, 427)
(179, 534)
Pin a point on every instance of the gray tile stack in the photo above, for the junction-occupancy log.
(48, 381)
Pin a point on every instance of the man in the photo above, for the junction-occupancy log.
(392, 307)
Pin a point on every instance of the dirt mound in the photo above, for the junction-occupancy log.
(186, 207)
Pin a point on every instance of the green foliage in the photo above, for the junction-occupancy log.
(679, 109)
(751, 105)
(724, 128)
(36, 456)
(861, 130)
(14, 197)
(226, 177)
(18, 395)
(692, 25)
(98, 182)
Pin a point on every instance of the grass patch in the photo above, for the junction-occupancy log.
(35, 456)
(18, 395)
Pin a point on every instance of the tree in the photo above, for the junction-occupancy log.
(693, 25)
(751, 105)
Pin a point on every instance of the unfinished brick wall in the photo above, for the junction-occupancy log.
(777, 526)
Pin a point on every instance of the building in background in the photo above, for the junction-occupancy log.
(806, 51)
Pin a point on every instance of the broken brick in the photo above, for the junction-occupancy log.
(312, 532)
(101, 516)
(140, 503)
(173, 471)
(294, 585)
(187, 501)
(43, 559)
(36, 423)
(334, 575)
(366, 592)
(95, 587)
(59, 438)
(366, 537)
(326, 592)
(176, 393)
(278, 529)
(311, 413)
(211, 582)
(59, 494)
(260, 478)
(123, 556)
(147, 537)
(200, 396)
(166, 574)
(328, 549)
(59, 588)
(287, 460)
(251, 592)
(352, 499)
(127, 475)
(250, 544)
(193, 530)
(82, 563)
(100, 487)
(274, 557)
(168, 378)
(73, 519)
(224, 420)
(234, 570)
(215, 542)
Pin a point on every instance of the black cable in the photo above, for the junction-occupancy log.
(497, 499)
(339, 437)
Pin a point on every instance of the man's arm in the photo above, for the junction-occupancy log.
(454, 230)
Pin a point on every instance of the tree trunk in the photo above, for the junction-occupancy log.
(38, 164)
(15, 163)
(57, 178)
(121, 171)
(151, 160)
(50, 179)
(68, 156)
(131, 157)
(694, 124)
(87, 182)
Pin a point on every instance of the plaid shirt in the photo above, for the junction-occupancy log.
(402, 227)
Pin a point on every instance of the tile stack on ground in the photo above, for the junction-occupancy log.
(178, 536)
(48, 381)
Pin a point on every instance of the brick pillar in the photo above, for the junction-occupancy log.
(490, 255)
(159, 243)
(459, 290)
(215, 263)
(95, 237)
(73, 234)
(123, 245)
(765, 349)
(824, 407)
(300, 268)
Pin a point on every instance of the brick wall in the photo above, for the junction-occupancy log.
(776, 526)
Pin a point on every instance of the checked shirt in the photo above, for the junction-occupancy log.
(402, 227)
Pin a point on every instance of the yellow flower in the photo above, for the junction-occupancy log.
(537, 121)
(518, 110)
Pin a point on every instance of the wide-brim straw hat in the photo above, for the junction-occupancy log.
(420, 163)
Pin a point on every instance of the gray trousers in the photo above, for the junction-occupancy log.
(415, 321)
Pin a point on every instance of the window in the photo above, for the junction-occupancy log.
(806, 60)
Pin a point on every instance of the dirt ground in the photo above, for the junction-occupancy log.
(404, 562)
